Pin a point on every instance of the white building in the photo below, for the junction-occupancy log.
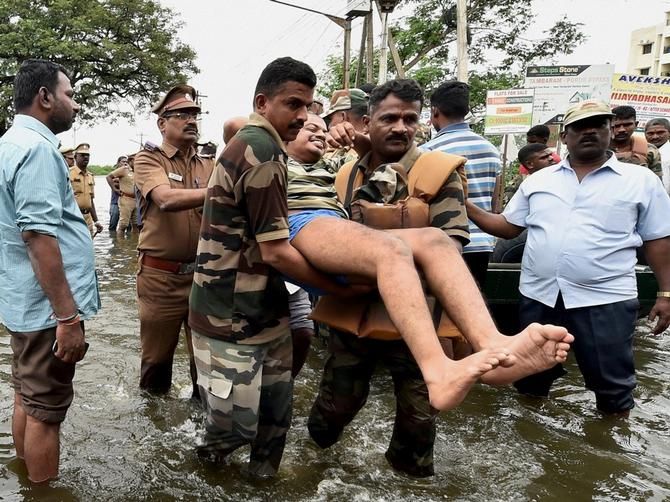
(649, 52)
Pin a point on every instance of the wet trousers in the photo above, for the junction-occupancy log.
(603, 348)
(344, 390)
(163, 303)
(247, 392)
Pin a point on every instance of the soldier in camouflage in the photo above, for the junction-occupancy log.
(633, 149)
(351, 106)
(239, 304)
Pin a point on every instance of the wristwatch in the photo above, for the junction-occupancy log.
(663, 294)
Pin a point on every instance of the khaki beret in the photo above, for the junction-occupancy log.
(180, 97)
(84, 148)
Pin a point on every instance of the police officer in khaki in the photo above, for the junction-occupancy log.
(68, 154)
(125, 176)
(83, 186)
(172, 180)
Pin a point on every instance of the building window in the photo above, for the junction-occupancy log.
(646, 48)
(644, 71)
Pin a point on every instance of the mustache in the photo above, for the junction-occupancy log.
(397, 137)
(297, 124)
(191, 128)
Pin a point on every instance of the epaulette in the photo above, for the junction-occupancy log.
(151, 147)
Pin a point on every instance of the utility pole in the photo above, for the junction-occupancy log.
(342, 22)
(370, 53)
(385, 7)
(462, 39)
(361, 54)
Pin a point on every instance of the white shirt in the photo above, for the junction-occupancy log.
(664, 149)
(582, 236)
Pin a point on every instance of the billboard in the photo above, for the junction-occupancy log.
(508, 111)
(559, 87)
(650, 96)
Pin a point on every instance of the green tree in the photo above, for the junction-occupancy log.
(498, 48)
(115, 50)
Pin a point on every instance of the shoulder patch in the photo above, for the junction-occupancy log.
(151, 147)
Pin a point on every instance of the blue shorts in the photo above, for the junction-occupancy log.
(297, 221)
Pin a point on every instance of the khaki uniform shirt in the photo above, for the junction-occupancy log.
(170, 235)
(126, 180)
(82, 186)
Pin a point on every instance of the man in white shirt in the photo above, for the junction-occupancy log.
(657, 132)
(585, 217)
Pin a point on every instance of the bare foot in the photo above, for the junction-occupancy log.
(536, 348)
(448, 389)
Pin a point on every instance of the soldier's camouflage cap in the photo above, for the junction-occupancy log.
(180, 97)
(84, 148)
(345, 99)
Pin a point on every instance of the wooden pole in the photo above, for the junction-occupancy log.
(383, 51)
(347, 53)
(370, 51)
(361, 54)
(462, 39)
(499, 189)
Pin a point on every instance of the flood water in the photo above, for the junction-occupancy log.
(121, 444)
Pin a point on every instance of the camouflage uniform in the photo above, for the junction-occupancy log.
(239, 305)
(652, 160)
(346, 379)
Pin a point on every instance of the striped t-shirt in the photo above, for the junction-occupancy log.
(481, 169)
(312, 186)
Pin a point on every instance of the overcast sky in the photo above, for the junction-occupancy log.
(234, 40)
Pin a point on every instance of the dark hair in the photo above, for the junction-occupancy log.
(624, 112)
(406, 89)
(121, 157)
(452, 98)
(540, 130)
(32, 75)
(359, 109)
(529, 150)
(367, 87)
(283, 70)
(658, 122)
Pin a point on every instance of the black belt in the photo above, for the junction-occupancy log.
(85, 211)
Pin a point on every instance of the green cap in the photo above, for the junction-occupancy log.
(345, 99)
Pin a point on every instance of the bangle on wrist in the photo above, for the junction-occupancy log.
(66, 318)
(663, 294)
(71, 322)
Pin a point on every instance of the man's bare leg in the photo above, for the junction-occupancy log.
(18, 425)
(385, 259)
(536, 348)
(41, 448)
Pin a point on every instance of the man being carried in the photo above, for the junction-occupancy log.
(320, 232)
(629, 148)
(581, 274)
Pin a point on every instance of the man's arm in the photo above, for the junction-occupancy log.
(344, 135)
(111, 181)
(494, 224)
(280, 255)
(177, 199)
(657, 252)
(47, 263)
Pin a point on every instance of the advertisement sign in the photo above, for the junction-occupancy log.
(650, 96)
(508, 111)
(559, 87)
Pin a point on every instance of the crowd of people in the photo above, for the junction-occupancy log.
(393, 238)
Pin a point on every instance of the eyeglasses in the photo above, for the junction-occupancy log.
(182, 115)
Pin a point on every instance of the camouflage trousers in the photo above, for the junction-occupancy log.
(247, 392)
(344, 390)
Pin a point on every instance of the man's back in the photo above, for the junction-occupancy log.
(481, 169)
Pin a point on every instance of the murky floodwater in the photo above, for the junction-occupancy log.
(121, 444)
